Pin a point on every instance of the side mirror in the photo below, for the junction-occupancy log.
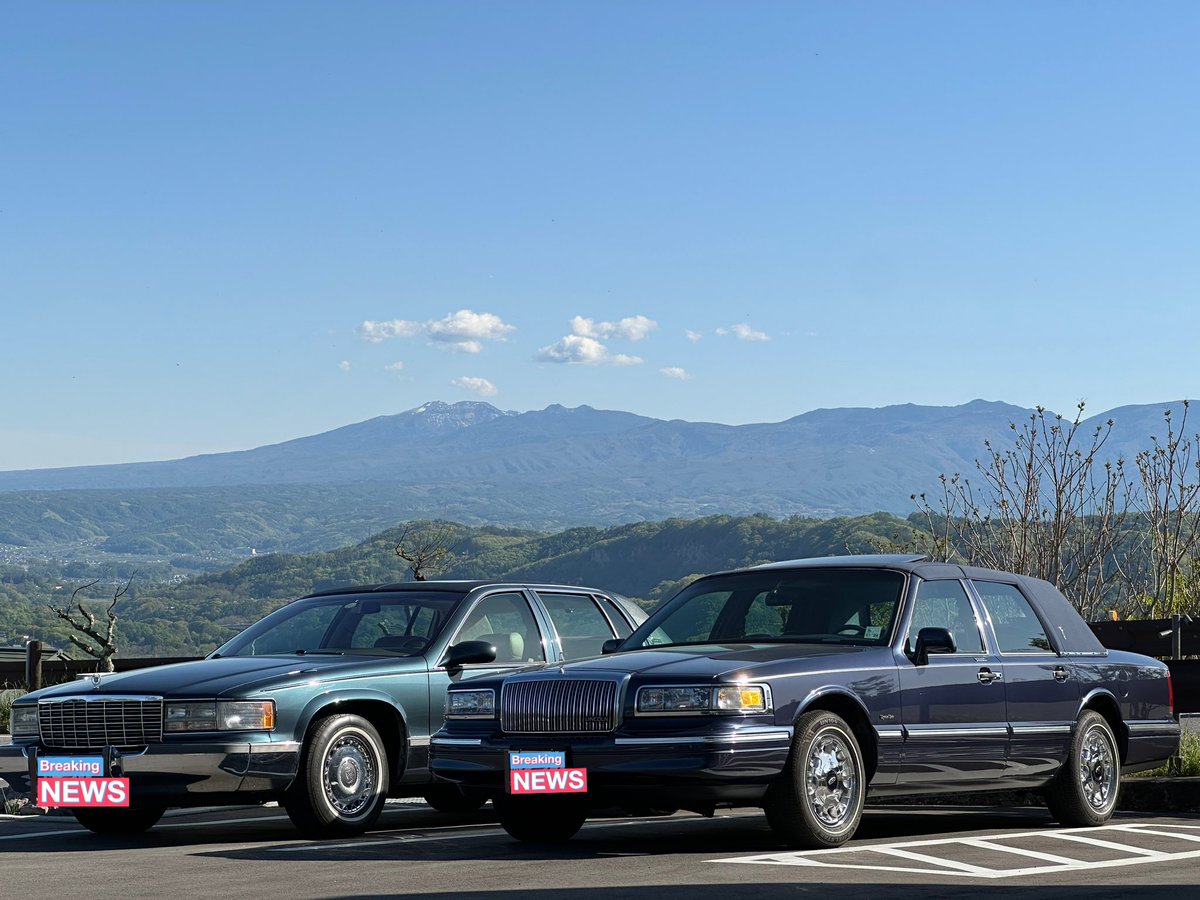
(933, 640)
(612, 645)
(467, 652)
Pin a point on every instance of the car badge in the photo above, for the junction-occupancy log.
(95, 679)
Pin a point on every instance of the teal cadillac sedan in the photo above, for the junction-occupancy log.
(325, 705)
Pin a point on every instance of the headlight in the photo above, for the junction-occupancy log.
(222, 715)
(729, 698)
(479, 704)
(24, 720)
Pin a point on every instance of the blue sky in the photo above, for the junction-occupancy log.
(229, 224)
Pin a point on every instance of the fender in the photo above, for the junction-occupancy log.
(1092, 695)
(827, 690)
(339, 695)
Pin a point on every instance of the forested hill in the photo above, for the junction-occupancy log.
(630, 559)
(645, 561)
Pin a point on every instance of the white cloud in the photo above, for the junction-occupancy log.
(632, 328)
(378, 332)
(586, 351)
(677, 373)
(746, 333)
(344, 365)
(461, 346)
(742, 333)
(693, 336)
(463, 331)
(480, 386)
(397, 366)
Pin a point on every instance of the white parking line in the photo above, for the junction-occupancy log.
(858, 857)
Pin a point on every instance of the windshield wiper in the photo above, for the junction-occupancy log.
(319, 652)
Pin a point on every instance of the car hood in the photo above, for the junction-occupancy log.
(721, 660)
(228, 675)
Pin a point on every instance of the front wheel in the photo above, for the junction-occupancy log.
(818, 800)
(1084, 792)
(540, 820)
(118, 821)
(343, 779)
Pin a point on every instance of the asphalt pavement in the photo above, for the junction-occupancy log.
(931, 853)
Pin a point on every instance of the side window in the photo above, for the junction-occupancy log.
(1017, 627)
(617, 616)
(944, 604)
(581, 626)
(506, 621)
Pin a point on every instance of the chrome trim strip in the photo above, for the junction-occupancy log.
(1041, 729)
(456, 742)
(276, 747)
(749, 736)
(1144, 728)
(100, 698)
(940, 733)
(890, 732)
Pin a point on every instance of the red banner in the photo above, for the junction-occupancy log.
(83, 792)
(547, 781)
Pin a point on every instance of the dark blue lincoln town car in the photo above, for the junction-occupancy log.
(805, 687)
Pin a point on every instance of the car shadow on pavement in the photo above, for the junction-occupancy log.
(744, 831)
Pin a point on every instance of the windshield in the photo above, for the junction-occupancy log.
(402, 624)
(843, 606)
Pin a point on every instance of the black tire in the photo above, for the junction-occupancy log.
(541, 820)
(447, 798)
(133, 820)
(343, 779)
(1084, 792)
(818, 800)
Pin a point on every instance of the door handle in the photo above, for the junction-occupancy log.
(1061, 674)
(987, 676)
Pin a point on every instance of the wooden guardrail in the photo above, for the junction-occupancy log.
(52, 671)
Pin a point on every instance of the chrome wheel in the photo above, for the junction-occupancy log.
(351, 775)
(1086, 788)
(1098, 770)
(831, 779)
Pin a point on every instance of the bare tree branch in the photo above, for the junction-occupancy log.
(427, 547)
(97, 643)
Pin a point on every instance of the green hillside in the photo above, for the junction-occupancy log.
(645, 561)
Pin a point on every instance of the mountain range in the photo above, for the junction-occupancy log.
(549, 468)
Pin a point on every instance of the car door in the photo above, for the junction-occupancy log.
(1041, 695)
(503, 618)
(952, 706)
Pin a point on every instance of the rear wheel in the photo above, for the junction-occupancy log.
(818, 800)
(448, 798)
(1084, 792)
(541, 820)
(343, 779)
(119, 821)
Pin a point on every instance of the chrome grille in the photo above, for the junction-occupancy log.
(558, 705)
(95, 722)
